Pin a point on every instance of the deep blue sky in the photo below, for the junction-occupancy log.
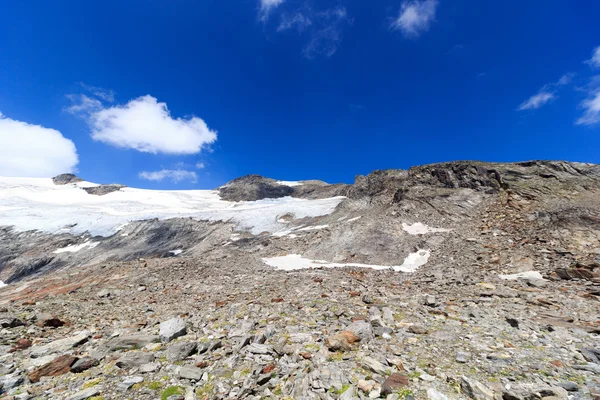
(380, 100)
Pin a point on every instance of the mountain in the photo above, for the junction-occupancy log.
(453, 280)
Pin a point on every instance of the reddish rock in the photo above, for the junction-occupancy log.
(354, 294)
(318, 280)
(557, 363)
(268, 369)
(202, 364)
(58, 366)
(306, 355)
(277, 300)
(49, 320)
(22, 344)
(220, 303)
(393, 383)
(341, 341)
(324, 295)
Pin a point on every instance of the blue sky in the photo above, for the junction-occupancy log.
(187, 94)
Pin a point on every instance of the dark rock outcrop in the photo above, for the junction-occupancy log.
(103, 189)
(65, 179)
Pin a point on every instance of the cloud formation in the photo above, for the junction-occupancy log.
(174, 175)
(266, 6)
(546, 94)
(143, 124)
(328, 33)
(415, 17)
(595, 60)
(34, 151)
(323, 28)
(591, 105)
(537, 100)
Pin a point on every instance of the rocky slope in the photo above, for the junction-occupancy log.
(501, 301)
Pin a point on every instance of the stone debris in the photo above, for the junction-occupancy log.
(215, 322)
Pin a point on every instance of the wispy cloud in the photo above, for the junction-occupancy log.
(595, 60)
(591, 105)
(107, 95)
(537, 100)
(173, 175)
(266, 6)
(323, 28)
(546, 94)
(415, 17)
(328, 34)
(297, 20)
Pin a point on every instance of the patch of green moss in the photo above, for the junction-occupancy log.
(155, 385)
(93, 383)
(342, 390)
(336, 357)
(404, 393)
(204, 391)
(170, 391)
(96, 398)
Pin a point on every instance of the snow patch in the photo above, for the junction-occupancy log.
(413, 261)
(293, 262)
(176, 252)
(522, 275)
(314, 228)
(74, 248)
(39, 204)
(421, 229)
(2, 284)
(354, 219)
(289, 183)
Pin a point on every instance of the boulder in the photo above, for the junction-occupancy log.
(58, 366)
(135, 359)
(172, 329)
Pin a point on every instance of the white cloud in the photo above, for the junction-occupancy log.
(546, 94)
(174, 175)
(266, 6)
(537, 100)
(591, 107)
(595, 60)
(34, 151)
(415, 17)
(200, 165)
(146, 125)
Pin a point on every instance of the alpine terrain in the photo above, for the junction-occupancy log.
(462, 280)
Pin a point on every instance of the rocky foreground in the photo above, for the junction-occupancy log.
(507, 307)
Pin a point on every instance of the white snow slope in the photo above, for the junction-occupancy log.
(39, 204)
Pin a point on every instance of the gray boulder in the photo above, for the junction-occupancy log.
(172, 329)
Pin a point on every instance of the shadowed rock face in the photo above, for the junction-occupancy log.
(65, 179)
(252, 188)
(256, 187)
